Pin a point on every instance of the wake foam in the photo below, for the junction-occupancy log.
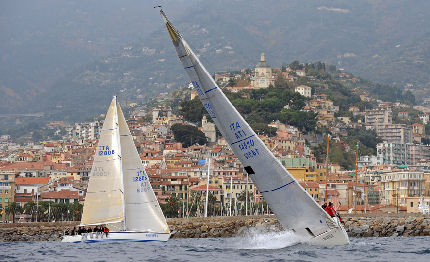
(266, 238)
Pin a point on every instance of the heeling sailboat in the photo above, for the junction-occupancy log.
(119, 193)
(293, 206)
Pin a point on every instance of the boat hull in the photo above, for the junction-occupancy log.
(335, 236)
(127, 236)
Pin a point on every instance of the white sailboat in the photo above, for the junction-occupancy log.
(119, 193)
(295, 209)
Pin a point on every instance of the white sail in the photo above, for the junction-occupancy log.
(104, 199)
(294, 208)
(142, 211)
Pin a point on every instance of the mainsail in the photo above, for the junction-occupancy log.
(104, 200)
(292, 205)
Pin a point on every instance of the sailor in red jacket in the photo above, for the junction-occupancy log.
(106, 231)
(330, 210)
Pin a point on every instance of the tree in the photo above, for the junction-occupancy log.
(188, 135)
(172, 207)
(30, 209)
(280, 81)
(262, 128)
(295, 65)
(212, 208)
(75, 211)
(13, 209)
(192, 110)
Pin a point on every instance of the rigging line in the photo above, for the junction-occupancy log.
(278, 187)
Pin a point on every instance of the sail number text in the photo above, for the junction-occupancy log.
(143, 181)
(141, 176)
(105, 151)
(251, 153)
(245, 143)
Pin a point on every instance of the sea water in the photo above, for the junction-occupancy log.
(283, 246)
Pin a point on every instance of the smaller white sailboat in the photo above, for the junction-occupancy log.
(119, 194)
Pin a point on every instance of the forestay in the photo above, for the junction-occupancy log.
(294, 208)
(104, 199)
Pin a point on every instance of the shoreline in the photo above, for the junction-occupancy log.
(360, 225)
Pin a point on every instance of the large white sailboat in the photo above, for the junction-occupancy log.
(295, 209)
(119, 193)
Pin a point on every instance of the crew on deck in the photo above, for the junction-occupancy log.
(81, 230)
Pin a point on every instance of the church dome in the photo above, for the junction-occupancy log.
(262, 62)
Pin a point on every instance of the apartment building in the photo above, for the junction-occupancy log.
(393, 153)
(378, 116)
(396, 187)
(7, 192)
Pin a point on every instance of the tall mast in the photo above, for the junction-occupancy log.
(356, 172)
(326, 167)
(231, 192)
(207, 188)
(120, 160)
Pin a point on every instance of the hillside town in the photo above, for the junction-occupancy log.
(35, 177)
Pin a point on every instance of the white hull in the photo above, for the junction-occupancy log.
(336, 236)
(127, 236)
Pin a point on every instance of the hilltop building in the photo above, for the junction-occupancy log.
(263, 76)
(378, 117)
(305, 91)
(208, 129)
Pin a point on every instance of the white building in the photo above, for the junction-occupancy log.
(209, 130)
(395, 133)
(305, 91)
(263, 76)
(393, 154)
(424, 118)
(378, 116)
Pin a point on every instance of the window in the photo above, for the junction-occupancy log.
(412, 204)
(6, 200)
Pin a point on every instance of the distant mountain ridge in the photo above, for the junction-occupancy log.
(386, 41)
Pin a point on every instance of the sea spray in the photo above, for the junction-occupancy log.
(262, 237)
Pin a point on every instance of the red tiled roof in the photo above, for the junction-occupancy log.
(203, 187)
(309, 184)
(31, 180)
(63, 194)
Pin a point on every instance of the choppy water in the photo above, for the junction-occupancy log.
(255, 247)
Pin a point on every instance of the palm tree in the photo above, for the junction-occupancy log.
(12, 209)
(30, 209)
(75, 210)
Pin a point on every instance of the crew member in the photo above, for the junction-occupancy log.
(106, 230)
(324, 206)
(330, 210)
